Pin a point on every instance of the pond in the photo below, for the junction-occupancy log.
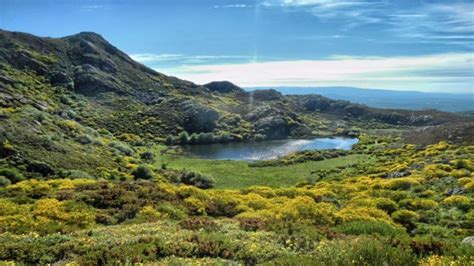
(266, 150)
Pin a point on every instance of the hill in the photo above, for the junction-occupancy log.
(413, 100)
(92, 171)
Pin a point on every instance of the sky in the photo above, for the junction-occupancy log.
(401, 45)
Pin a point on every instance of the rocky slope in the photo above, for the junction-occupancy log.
(85, 79)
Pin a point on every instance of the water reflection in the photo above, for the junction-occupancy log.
(265, 150)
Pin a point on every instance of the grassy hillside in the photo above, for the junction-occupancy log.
(91, 170)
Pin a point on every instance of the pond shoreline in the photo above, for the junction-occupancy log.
(265, 150)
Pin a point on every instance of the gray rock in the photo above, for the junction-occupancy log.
(456, 191)
(468, 241)
(198, 118)
(397, 174)
(274, 127)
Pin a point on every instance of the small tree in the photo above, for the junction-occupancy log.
(193, 139)
(197, 179)
(183, 137)
(12, 174)
(142, 172)
(169, 140)
(147, 156)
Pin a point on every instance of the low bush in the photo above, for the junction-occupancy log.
(406, 218)
(122, 148)
(362, 251)
(12, 174)
(458, 201)
(85, 139)
(368, 228)
(147, 156)
(197, 179)
(142, 172)
(4, 181)
(197, 223)
(387, 205)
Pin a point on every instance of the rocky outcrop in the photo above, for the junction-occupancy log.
(468, 241)
(89, 80)
(198, 118)
(223, 87)
(275, 123)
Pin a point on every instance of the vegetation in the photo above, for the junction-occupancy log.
(86, 177)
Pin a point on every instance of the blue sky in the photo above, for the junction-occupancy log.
(406, 44)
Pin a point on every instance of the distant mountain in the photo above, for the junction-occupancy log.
(413, 100)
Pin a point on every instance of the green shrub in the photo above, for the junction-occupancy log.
(196, 223)
(122, 148)
(4, 181)
(169, 140)
(142, 172)
(193, 139)
(147, 156)
(362, 251)
(75, 174)
(183, 137)
(369, 227)
(12, 174)
(172, 211)
(387, 205)
(85, 139)
(205, 138)
(197, 179)
(406, 218)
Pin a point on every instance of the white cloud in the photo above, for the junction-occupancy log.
(440, 72)
(233, 6)
(92, 7)
(422, 22)
(440, 23)
(148, 57)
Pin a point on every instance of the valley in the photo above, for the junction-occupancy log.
(104, 161)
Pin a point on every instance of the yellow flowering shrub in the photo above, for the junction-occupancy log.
(351, 213)
(255, 201)
(457, 201)
(423, 204)
(438, 260)
(266, 192)
(195, 205)
(49, 208)
(402, 183)
(465, 180)
(150, 214)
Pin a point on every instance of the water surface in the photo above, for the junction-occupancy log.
(266, 150)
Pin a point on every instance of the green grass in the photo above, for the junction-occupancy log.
(237, 174)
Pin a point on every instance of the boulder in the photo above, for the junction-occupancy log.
(40, 167)
(455, 191)
(397, 174)
(223, 87)
(90, 80)
(197, 117)
(468, 241)
(61, 78)
(273, 127)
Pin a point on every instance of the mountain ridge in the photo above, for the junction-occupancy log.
(124, 96)
(388, 99)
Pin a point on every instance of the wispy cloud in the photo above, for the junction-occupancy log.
(233, 6)
(92, 7)
(448, 23)
(438, 72)
(181, 59)
(440, 23)
(150, 58)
